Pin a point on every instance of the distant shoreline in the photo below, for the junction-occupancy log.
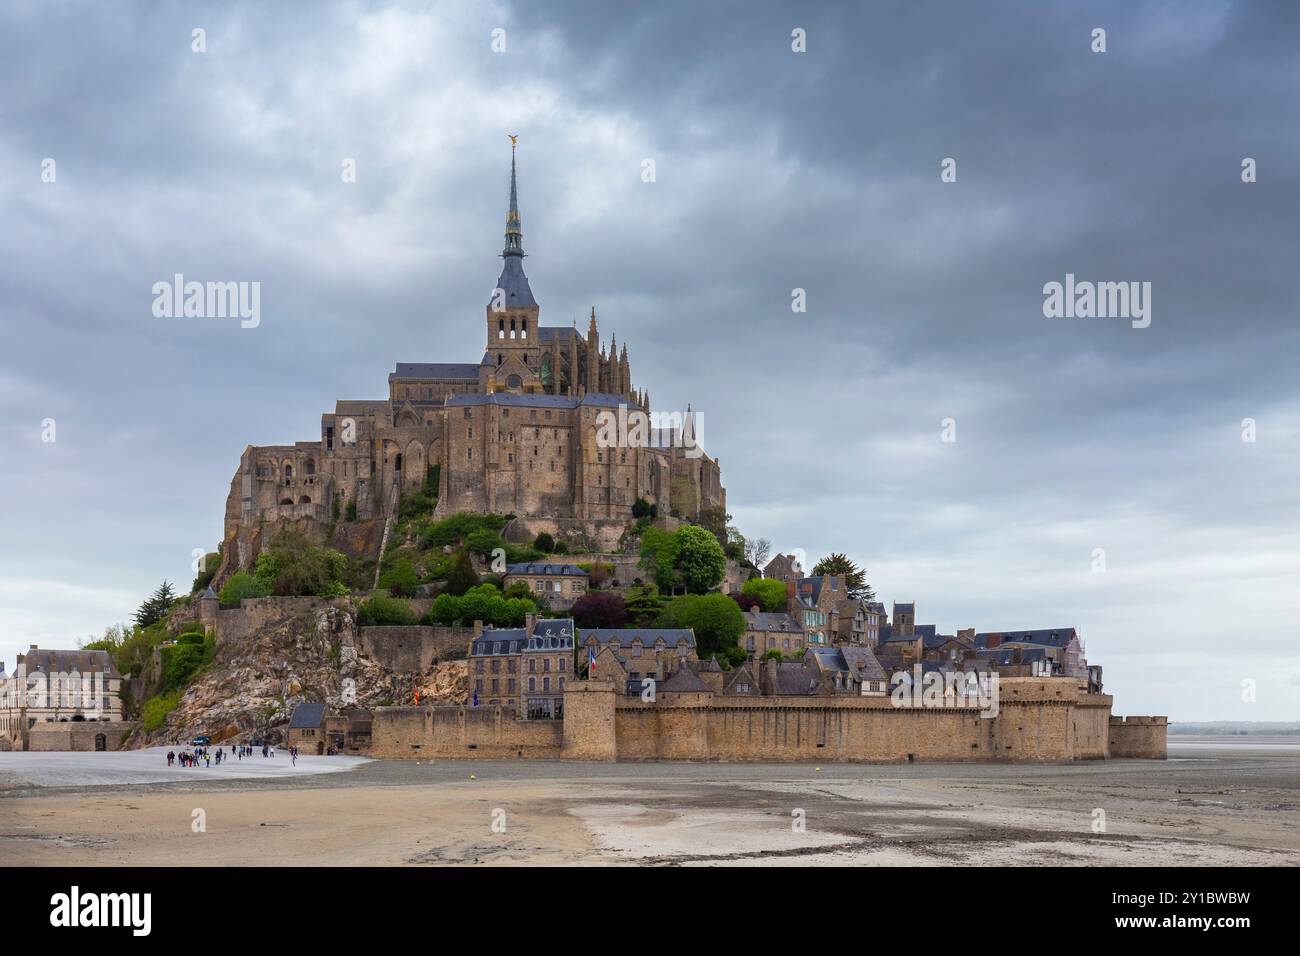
(1235, 728)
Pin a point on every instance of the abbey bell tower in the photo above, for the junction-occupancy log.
(513, 354)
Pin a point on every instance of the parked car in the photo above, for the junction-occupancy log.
(202, 740)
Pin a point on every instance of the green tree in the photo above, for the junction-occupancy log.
(700, 562)
(445, 610)
(156, 606)
(769, 591)
(644, 605)
(462, 576)
(855, 578)
(544, 542)
(659, 556)
(716, 619)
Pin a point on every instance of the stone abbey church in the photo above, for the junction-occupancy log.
(514, 433)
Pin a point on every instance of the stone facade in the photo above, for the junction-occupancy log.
(1039, 719)
(79, 735)
(516, 432)
(61, 688)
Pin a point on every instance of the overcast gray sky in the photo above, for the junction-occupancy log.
(775, 170)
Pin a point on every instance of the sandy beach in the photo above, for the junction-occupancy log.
(1212, 802)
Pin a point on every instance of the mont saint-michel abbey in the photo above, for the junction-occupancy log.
(514, 433)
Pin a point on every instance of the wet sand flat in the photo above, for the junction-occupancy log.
(1206, 805)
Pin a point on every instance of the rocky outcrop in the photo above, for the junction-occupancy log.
(257, 679)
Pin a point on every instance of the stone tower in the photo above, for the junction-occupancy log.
(513, 343)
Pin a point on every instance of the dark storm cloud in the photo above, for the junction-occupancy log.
(775, 171)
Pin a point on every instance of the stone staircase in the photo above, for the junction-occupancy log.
(390, 515)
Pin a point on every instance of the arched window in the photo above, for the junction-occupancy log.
(514, 381)
(397, 462)
(311, 466)
(288, 471)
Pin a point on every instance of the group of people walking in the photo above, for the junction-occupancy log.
(205, 756)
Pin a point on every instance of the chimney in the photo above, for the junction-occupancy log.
(530, 620)
(478, 628)
(768, 680)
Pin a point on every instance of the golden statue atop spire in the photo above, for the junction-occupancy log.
(514, 139)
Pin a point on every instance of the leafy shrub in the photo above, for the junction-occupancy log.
(456, 528)
(381, 610)
(293, 566)
(544, 543)
(154, 711)
(241, 585)
(399, 578)
(770, 592)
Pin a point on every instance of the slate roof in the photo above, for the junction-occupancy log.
(571, 570)
(508, 398)
(514, 640)
(435, 371)
(684, 681)
(814, 585)
(796, 679)
(1008, 655)
(860, 662)
(648, 635)
(548, 333)
(307, 716)
(771, 621)
(54, 662)
(1049, 637)
(515, 284)
(605, 399)
(744, 674)
(909, 608)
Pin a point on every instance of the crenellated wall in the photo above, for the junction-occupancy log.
(1139, 737)
(1037, 719)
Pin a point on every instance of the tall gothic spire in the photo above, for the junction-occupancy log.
(513, 282)
(514, 229)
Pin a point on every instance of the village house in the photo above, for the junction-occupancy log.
(627, 655)
(560, 585)
(771, 631)
(525, 669)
